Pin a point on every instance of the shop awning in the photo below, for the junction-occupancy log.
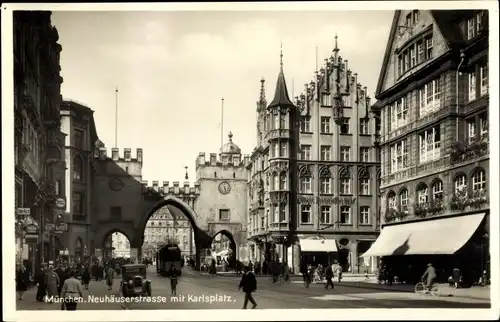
(318, 245)
(432, 237)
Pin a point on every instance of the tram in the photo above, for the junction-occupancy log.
(167, 256)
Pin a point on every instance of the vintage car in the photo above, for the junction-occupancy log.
(134, 282)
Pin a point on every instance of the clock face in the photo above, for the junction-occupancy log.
(116, 184)
(224, 187)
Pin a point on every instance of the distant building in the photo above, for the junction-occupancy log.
(313, 177)
(433, 97)
(121, 245)
(164, 227)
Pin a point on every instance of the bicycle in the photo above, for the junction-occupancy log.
(421, 288)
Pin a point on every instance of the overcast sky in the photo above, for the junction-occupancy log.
(173, 68)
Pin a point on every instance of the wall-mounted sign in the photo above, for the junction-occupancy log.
(60, 203)
(23, 211)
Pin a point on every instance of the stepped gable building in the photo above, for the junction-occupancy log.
(313, 177)
(77, 122)
(38, 141)
(433, 99)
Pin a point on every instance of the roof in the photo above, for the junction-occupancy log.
(231, 147)
(81, 108)
(446, 23)
(281, 97)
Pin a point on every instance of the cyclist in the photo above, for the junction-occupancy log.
(429, 276)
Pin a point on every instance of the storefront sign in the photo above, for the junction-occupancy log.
(23, 211)
(60, 203)
(345, 201)
(31, 230)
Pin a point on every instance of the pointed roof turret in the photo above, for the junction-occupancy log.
(281, 97)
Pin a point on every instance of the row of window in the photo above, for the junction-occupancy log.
(415, 54)
(326, 128)
(345, 186)
(326, 153)
(325, 215)
(430, 143)
(436, 190)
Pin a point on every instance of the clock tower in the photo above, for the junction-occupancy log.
(222, 201)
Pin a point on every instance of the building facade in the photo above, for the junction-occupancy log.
(164, 227)
(121, 245)
(223, 190)
(314, 173)
(433, 100)
(39, 165)
(77, 122)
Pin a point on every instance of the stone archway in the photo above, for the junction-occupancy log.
(105, 240)
(177, 208)
(232, 244)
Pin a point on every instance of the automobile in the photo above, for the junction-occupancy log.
(134, 281)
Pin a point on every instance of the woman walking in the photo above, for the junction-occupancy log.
(22, 281)
(71, 290)
(173, 280)
(86, 277)
(52, 281)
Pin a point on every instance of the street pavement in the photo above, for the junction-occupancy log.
(199, 291)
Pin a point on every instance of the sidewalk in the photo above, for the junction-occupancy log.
(360, 281)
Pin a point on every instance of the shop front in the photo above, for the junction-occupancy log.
(318, 250)
(448, 242)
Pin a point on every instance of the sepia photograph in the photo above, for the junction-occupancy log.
(212, 158)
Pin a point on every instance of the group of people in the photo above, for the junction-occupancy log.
(318, 273)
(64, 281)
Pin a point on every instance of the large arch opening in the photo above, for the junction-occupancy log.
(115, 246)
(169, 223)
(223, 250)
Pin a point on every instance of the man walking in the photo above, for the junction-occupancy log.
(249, 285)
(329, 277)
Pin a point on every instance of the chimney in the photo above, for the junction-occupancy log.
(127, 152)
(103, 153)
(115, 154)
(139, 155)
(155, 185)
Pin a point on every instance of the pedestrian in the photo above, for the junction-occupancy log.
(41, 284)
(109, 277)
(22, 281)
(249, 285)
(52, 282)
(86, 277)
(338, 271)
(71, 291)
(62, 273)
(456, 277)
(329, 277)
(173, 274)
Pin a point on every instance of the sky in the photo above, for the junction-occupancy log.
(172, 69)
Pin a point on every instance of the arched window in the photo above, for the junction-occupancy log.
(479, 180)
(77, 169)
(403, 200)
(325, 180)
(364, 182)
(422, 193)
(305, 178)
(461, 183)
(283, 181)
(345, 182)
(437, 190)
(392, 200)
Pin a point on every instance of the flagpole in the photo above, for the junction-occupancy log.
(222, 125)
(116, 117)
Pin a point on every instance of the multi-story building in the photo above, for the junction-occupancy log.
(39, 166)
(81, 137)
(164, 227)
(314, 174)
(433, 99)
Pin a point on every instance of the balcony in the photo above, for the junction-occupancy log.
(278, 134)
